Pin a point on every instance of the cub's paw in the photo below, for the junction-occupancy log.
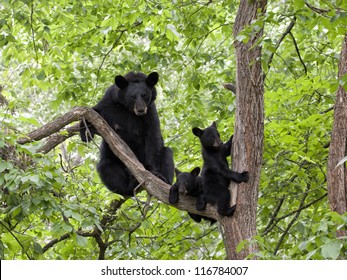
(160, 176)
(228, 212)
(200, 204)
(244, 176)
(173, 195)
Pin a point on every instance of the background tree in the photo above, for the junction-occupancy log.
(337, 174)
(57, 55)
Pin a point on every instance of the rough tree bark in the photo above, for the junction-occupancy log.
(247, 147)
(337, 176)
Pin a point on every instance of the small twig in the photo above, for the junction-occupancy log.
(302, 207)
(62, 164)
(115, 43)
(298, 52)
(317, 10)
(136, 189)
(106, 55)
(273, 220)
(286, 32)
(15, 237)
(327, 110)
(3, 100)
(32, 29)
(291, 222)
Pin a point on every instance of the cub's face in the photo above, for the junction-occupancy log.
(185, 181)
(209, 137)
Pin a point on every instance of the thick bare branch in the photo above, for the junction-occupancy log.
(58, 138)
(153, 185)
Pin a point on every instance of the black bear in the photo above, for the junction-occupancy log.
(128, 107)
(216, 174)
(188, 183)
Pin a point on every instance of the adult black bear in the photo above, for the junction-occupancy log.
(128, 107)
(188, 183)
(216, 174)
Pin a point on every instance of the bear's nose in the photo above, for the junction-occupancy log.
(140, 111)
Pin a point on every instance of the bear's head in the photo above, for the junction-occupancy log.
(209, 137)
(186, 181)
(137, 91)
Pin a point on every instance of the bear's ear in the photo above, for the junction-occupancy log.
(195, 172)
(197, 131)
(121, 82)
(152, 79)
(177, 172)
(214, 125)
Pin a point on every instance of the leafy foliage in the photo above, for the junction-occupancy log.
(59, 54)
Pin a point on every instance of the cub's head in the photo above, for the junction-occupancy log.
(137, 91)
(209, 137)
(186, 181)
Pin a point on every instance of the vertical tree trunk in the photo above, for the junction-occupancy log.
(249, 130)
(337, 176)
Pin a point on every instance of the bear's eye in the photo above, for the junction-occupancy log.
(143, 95)
(133, 96)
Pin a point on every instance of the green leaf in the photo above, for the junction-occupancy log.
(331, 250)
(3, 166)
(37, 248)
(81, 241)
(171, 33)
(299, 4)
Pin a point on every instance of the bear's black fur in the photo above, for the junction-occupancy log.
(216, 174)
(188, 183)
(128, 107)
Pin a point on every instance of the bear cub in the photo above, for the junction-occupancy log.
(216, 174)
(188, 183)
(128, 107)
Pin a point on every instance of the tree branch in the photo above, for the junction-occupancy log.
(230, 86)
(317, 10)
(3, 100)
(153, 185)
(15, 237)
(298, 52)
(288, 30)
(58, 138)
(32, 28)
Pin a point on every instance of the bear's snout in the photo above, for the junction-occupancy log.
(140, 111)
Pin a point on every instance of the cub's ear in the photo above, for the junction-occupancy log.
(214, 125)
(197, 131)
(177, 172)
(121, 82)
(195, 172)
(152, 79)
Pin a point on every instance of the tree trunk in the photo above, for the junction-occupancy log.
(249, 128)
(337, 176)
